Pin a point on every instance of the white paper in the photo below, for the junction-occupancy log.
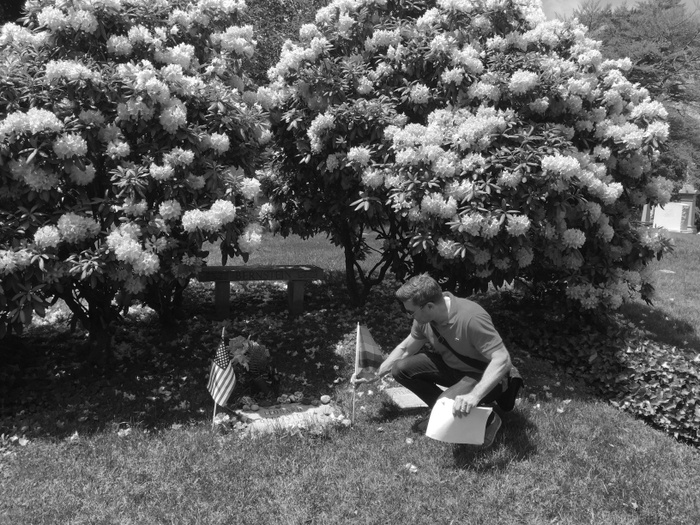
(445, 425)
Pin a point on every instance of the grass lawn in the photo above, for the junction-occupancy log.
(136, 445)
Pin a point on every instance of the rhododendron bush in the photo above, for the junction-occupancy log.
(477, 139)
(129, 137)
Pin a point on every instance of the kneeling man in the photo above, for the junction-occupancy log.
(469, 357)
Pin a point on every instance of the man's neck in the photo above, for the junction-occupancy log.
(442, 311)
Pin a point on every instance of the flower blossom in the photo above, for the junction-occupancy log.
(522, 81)
(251, 238)
(320, 125)
(33, 176)
(119, 45)
(517, 225)
(250, 188)
(173, 116)
(178, 157)
(435, 204)
(76, 228)
(34, 121)
(82, 177)
(70, 145)
(373, 178)
(567, 167)
(47, 237)
(360, 154)
(419, 94)
(220, 142)
(573, 238)
(11, 261)
(170, 209)
(447, 248)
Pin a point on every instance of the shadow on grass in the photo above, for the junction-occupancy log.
(512, 444)
(158, 378)
(663, 326)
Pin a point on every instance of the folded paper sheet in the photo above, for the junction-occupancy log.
(444, 425)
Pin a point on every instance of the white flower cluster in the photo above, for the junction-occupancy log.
(250, 188)
(173, 116)
(573, 238)
(47, 237)
(70, 145)
(219, 142)
(319, 126)
(435, 204)
(12, 33)
(76, 228)
(222, 212)
(14, 260)
(170, 209)
(33, 176)
(125, 242)
(70, 70)
(251, 238)
(360, 155)
(292, 56)
(523, 81)
(33, 122)
(56, 19)
(181, 55)
(236, 39)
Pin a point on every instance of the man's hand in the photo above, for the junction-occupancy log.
(385, 368)
(464, 403)
(354, 380)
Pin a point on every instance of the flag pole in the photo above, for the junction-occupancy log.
(357, 363)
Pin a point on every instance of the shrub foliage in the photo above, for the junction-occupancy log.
(129, 137)
(476, 139)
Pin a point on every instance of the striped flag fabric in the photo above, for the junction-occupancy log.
(222, 378)
(368, 354)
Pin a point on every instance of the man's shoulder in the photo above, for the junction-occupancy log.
(467, 305)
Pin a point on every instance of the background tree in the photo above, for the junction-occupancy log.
(129, 137)
(476, 139)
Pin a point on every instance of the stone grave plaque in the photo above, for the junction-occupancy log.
(288, 416)
(404, 398)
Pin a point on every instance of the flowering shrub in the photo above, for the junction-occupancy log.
(129, 137)
(476, 138)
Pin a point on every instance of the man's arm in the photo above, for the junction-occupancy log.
(405, 348)
(408, 346)
(497, 369)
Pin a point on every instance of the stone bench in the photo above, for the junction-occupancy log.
(296, 277)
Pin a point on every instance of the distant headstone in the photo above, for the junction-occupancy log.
(288, 416)
(673, 216)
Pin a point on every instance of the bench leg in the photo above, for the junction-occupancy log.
(221, 299)
(295, 295)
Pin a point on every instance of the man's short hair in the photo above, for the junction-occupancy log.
(421, 289)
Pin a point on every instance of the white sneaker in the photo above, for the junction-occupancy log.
(491, 431)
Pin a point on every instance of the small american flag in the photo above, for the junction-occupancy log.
(222, 378)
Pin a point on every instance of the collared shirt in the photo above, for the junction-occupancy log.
(469, 330)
